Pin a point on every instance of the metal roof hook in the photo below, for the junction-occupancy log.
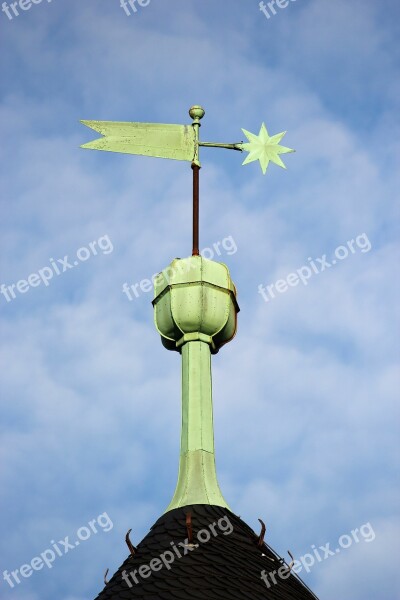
(189, 531)
(131, 547)
(262, 534)
(189, 528)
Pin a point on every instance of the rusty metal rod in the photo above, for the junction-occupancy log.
(189, 528)
(196, 195)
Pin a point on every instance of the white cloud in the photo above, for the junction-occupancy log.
(305, 396)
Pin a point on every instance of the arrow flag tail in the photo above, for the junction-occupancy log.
(147, 139)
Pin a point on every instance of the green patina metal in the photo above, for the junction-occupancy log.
(180, 142)
(195, 307)
(176, 142)
(264, 148)
(197, 113)
(195, 313)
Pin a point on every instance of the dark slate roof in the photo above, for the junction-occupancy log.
(227, 567)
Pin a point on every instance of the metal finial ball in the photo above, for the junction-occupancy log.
(197, 112)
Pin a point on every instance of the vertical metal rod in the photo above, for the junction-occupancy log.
(197, 113)
(196, 194)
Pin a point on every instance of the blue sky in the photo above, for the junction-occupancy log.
(306, 418)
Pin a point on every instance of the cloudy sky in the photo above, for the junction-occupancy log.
(306, 419)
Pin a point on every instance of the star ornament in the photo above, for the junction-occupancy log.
(264, 148)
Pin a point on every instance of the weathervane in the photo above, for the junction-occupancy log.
(182, 142)
(195, 313)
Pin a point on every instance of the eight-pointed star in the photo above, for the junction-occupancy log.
(264, 148)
